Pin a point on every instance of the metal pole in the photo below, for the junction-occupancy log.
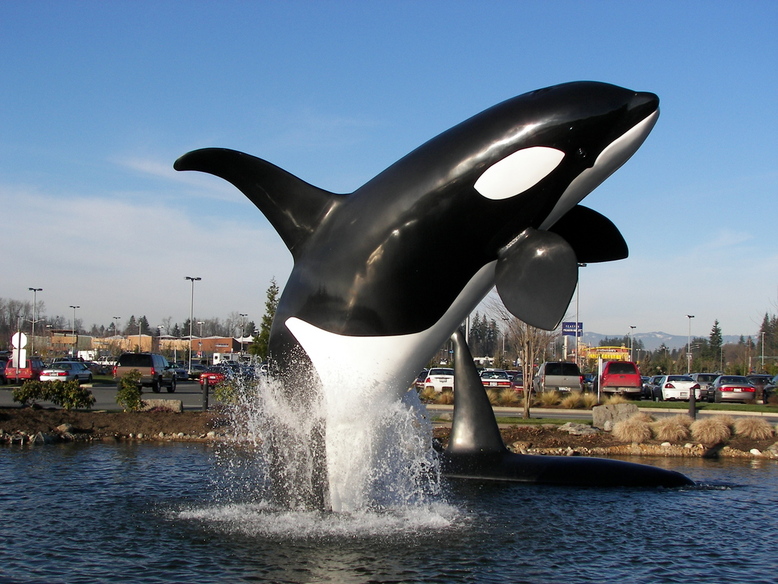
(34, 304)
(689, 346)
(192, 279)
(205, 395)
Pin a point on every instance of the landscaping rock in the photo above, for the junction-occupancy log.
(577, 429)
(173, 405)
(604, 417)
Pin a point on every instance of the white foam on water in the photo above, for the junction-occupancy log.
(262, 520)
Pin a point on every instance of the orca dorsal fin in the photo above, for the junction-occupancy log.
(593, 236)
(474, 429)
(536, 277)
(293, 207)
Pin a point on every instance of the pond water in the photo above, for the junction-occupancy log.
(163, 513)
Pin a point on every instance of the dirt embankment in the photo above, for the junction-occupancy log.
(25, 425)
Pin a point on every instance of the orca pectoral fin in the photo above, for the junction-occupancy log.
(593, 236)
(293, 207)
(536, 277)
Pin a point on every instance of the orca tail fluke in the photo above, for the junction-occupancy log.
(294, 207)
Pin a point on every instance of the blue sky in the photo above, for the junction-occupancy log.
(98, 99)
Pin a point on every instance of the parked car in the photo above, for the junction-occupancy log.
(517, 382)
(439, 379)
(759, 381)
(558, 376)
(675, 387)
(197, 370)
(648, 387)
(180, 372)
(215, 374)
(31, 370)
(154, 369)
(705, 380)
(732, 388)
(621, 377)
(3, 380)
(770, 389)
(67, 371)
(495, 379)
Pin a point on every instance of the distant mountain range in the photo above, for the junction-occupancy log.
(652, 341)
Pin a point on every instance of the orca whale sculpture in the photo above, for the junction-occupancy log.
(493, 199)
(476, 449)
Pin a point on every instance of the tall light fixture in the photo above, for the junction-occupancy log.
(75, 342)
(632, 328)
(34, 305)
(689, 346)
(115, 327)
(192, 279)
(578, 320)
(242, 327)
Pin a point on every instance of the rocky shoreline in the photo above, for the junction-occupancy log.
(30, 426)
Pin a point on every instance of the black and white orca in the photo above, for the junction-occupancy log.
(384, 275)
(476, 449)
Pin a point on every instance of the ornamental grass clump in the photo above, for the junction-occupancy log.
(754, 428)
(615, 399)
(711, 430)
(673, 428)
(549, 398)
(573, 400)
(428, 394)
(589, 400)
(634, 429)
(445, 397)
(508, 398)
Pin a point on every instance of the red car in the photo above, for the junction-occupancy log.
(32, 370)
(213, 375)
(621, 377)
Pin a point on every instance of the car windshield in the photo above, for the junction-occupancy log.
(494, 375)
(734, 379)
(622, 368)
(439, 371)
(562, 369)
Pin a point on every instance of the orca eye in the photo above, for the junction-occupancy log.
(518, 172)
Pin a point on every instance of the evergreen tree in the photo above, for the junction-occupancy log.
(259, 346)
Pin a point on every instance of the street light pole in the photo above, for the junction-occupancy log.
(631, 341)
(192, 279)
(578, 320)
(34, 304)
(75, 342)
(689, 346)
(115, 328)
(242, 326)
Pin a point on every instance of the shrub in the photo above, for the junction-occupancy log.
(711, 430)
(446, 397)
(589, 400)
(428, 394)
(226, 392)
(494, 396)
(754, 428)
(634, 429)
(128, 391)
(672, 429)
(509, 397)
(549, 398)
(66, 394)
(572, 400)
(615, 399)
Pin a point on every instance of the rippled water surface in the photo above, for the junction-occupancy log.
(176, 513)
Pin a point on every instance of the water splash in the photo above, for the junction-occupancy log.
(373, 449)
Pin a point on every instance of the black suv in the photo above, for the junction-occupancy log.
(154, 369)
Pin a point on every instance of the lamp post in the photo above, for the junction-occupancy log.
(75, 342)
(34, 304)
(115, 322)
(577, 320)
(631, 341)
(192, 279)
(689, 346)
(242, 326)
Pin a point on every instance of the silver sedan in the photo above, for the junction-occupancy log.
(67, 371)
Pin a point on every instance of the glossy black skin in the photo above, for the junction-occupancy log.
(358, 258)
(476, 450)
